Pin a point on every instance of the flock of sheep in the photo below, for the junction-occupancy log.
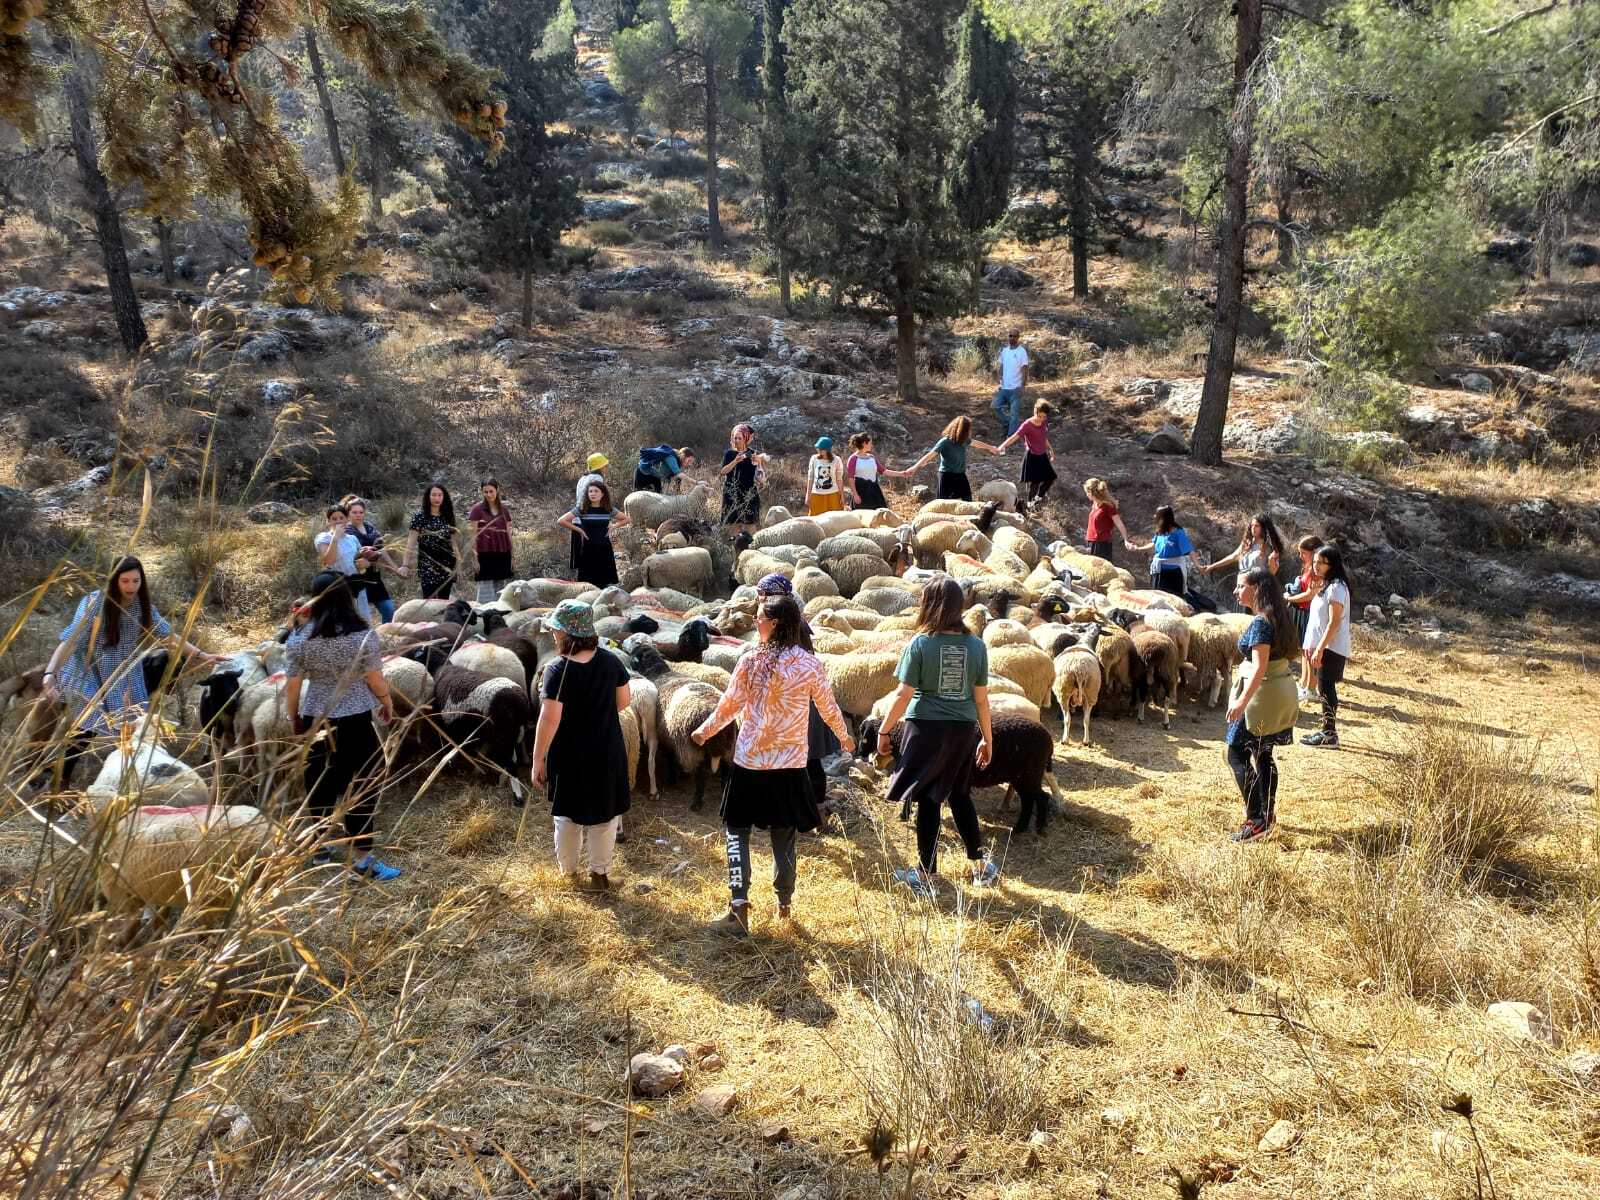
(1062, 628)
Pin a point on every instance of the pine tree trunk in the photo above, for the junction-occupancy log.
(330, 123)
(784, 285)
(1079, 218)
(107, 221)
(1206, 445)
(714, 221)
(527, 291)
(169, 273)
(905, 358)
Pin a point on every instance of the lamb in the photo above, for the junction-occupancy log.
(688, 569)
(847, 618)
(683, 705)
(527, 649)
(860, 679)
(1018, 543)
(491, 660)
(156, 856)
(1162, 673)
(1001, 491)
(220, 691)
(141, 770)
(1213, 653)
(1028, 666)
(1077, 685)
(797, 531)
(415, 611)
(648, 509)
(852, 571)
(491, 712)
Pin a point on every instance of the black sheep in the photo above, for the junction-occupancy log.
(524, 647)
(491, 714)
(1023, 752)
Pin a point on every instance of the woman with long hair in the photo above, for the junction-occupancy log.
(1299, 597)
(95, 669)
(1038, 458)
(1170, 549)
(1262, 706)
(951, 451)
(577, 747)
(372, 559)
(434, 544)
(1105, 518)
(491, 541)
(741, 476)
(771, 694)
(339, 665)
(1327, 641)
(1260, 546)
(944, 698)
(591, 523)
(861, 471)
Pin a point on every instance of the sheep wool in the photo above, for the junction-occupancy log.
(492, 660)
(157, 856)
(797, 531)
(1162, 671)
(754, 564)
(486, 711)
(886, 601)
(688, 569)
(1026, 665)
(1213, 652)
(858, 680)
(1006, 632)
(852, 571)
(1019, 543)
(812, 582)
(1077, 685)
(1002, 491)
(842, 544)
(648, 509)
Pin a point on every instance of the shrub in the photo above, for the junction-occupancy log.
(1377, 298)
(975, 356)
(609, 233)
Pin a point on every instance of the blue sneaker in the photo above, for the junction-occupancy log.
(372, 867)
(987, 875)
(919, 881)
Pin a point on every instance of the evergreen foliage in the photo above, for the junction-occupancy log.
(777, 145)
(986, 81)
(871, 211)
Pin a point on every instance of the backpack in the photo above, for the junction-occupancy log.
(660, 461)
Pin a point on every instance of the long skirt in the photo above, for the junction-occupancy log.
(871, 494)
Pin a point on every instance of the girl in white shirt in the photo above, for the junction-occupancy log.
(824, 480)
(861, 473)
(1327, 641)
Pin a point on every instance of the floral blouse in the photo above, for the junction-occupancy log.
(773, 702)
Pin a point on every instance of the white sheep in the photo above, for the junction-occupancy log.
(155, 857)
(798, 556)
(490, 660)
(1001, 490)
(853, 570)
(643, 703)
(1148, 598)
(776, 515)
(725, 653)
(1005, 632)
(1028, 666)
(844, 616)
(539, 593)
(1019, 542)
(1004, 561)
(688, 569)
(797, 531)
(841, 544)
(843, 520)
(1076, 685)
(813, 582)
(670, 599)
(648, 509)
(753, 565)
(893, 581)
(886, 600)
(141, 770)
(1213, 652)
(858, 680)
(1170, 623)
(826, 640)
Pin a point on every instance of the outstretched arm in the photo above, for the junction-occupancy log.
(914, 467)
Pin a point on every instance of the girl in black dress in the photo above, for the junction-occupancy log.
(741, 496)
(577, 747)
(432, 544)
(592, 522)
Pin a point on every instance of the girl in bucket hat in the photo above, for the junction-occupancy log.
(824, 479)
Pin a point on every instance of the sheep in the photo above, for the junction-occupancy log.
(975, 545)
(963, 566)
(539, 593)
(410, 683)
(818, 605)
(1120, 668)
(797, 531)
(261, 721)
(955, 508)
(1002, 560)
(683, 705)
(1009, 704)
(415, 611)
(847, 618)
(491, 660)
(880, 641)
(753, 565)
(153, 857)
(860, 679)
(1000, 491)
(670, 599)
(936, 539)
(643, 700)
(830, 641)
(1093, 570)
(841, 544)
(1043, 575)
(648, 509)
(475, 709)
(892, 581)
(1145, 598)
(1022, 752)
(848, 519)
(1162, 673)
(395, 636)
(851, 571)
(220, 691)
(795, 556)
(629, 721)
(886, 601)
(1077, 685)
(776, 515)
(1019, 543)
(692, 530)
(1026, 665)
(528, 649)
(1213, 653)
(1171, 624)
(142, 770)
(687, 569)
(812, 582)
(883, 538)
(1005, 632)
(726, 653)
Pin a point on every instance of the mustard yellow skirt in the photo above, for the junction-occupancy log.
(822, 502)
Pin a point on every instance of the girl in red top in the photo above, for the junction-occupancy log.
(1038, 473)
(1299, 601)
(491, 542)
(1104, 519)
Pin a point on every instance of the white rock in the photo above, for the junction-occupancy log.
(1522, 1021)
(1372, 612)
(1113, 1118)
(1279, 1138)
(1474, 382)
(678, 1053)
(654, 1075)
(278, 391)
(1396, 600)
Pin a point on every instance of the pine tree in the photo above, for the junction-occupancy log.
(509, 215)
(1074, 86)
(684, 61)
(986, 81)
(180, 116)
(871, 212)
(383, 140)
(777, 149)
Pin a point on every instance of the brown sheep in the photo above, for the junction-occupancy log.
(1162, 672)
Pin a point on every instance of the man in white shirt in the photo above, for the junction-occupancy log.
(1013, 378)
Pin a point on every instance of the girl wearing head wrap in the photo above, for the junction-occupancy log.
(741, 465)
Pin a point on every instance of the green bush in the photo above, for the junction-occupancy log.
(1375, 299)
(609, 233)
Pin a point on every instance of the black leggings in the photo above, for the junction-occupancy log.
(341, 758)
(1329, 676)
(965, 816)
(953, 485)
(1168, 579)
(1257, 776)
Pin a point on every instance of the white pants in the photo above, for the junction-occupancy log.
(570, 837)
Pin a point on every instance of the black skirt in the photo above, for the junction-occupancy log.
(597, 562)
(871, 494)
(1036, 468)
(779, 799)
(494, 565)
(741, 507)
(936, 760)
(1101, 550)
(953, 485)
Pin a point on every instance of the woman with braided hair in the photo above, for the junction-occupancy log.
(771, 694)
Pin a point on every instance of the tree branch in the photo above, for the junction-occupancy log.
(1522, 16)
(1276, 6)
